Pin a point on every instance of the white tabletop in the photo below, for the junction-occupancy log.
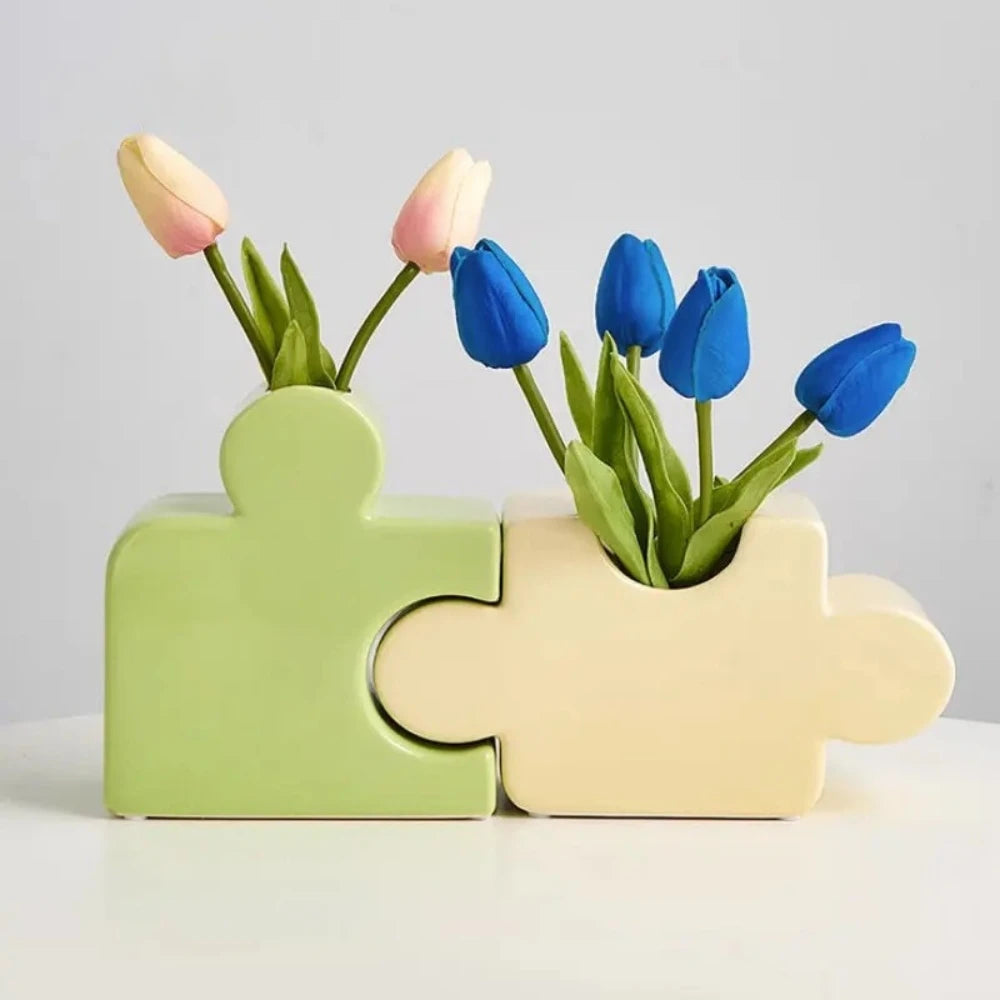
(889, 888)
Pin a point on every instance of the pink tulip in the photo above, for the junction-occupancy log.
(181, 206)
(443, 212)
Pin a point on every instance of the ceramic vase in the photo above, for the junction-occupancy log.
(609, 698)
(239, 628)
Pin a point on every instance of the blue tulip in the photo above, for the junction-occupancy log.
(501, 322)
(852, 382)
(706, 349)
(635, 296)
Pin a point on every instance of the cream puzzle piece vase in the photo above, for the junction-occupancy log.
(610, 698)
(239, 628)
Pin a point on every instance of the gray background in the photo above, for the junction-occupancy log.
(843, 158)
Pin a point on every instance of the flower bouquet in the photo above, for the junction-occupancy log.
(728, 659)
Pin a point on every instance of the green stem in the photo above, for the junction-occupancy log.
(706, 474)
(239, 306)
(792, 432)
(543, 415)
(370, 325)
(633, 357)
(633, 361)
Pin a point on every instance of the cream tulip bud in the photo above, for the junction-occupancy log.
(443, 211)
(180, 205)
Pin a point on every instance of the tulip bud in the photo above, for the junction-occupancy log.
(851, 383)
(706, 349)
(501, 322)
(443, 211)
(635, 296)
(181, 206)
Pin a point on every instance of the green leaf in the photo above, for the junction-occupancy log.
(291, 366)
(716, 499)
(607, 412)
(722, 497)
(640, 503)
(316, 371)
(329, 365)
(602, 507)
(672, 514)
(606, 403)
(709, 543)
(645, 527)
(724, 492)
(300, 300)
(579, 395)
(319, 374)
(656, 575)
(612, 443)
(804, 457)
(302, 307)
(269, 308)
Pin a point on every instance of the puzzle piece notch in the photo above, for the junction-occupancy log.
(613, 698)
(238, 640)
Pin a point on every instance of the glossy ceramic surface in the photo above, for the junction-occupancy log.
(610, 698)
(239, 628)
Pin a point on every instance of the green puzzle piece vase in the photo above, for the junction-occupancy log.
(239, 629)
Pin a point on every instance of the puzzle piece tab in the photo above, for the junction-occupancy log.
(610, 698)
(238, 635)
